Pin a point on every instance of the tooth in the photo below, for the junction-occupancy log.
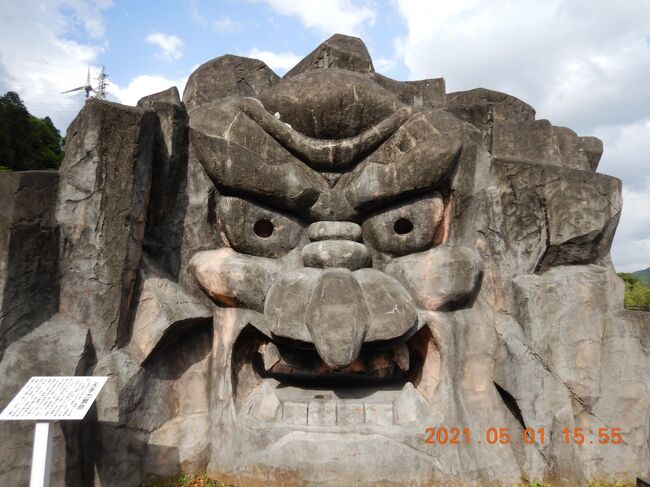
(401, 357)
(270, 355)
(295, 412)
(349, 414)
(265, 403)
(380, 414)
(321, 413)
(410, 406)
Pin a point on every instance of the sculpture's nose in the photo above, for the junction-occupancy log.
(335, 244)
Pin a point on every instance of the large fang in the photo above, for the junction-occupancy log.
(410, 407)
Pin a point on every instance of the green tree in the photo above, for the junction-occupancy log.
(637, 294)
(27, 142)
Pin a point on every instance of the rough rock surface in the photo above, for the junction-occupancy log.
(288, 280)
(168, 200)
(104, 185)
(29, 253)
(340, 52)
(227, 76)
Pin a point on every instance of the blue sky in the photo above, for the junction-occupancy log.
(584, 64)
(207, 29)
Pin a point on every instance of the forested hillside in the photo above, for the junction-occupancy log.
(637, 293)
(643, 276)
(26, 142)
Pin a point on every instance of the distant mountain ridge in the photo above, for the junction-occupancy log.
(643, 275)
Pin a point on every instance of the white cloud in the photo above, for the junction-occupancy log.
(226, 24)
(222, 25)
(143, 85)
(383, 65)
(627, 153)
(39, 60)
(580, 63)
(280, 61)
(333, 16)
(90, 14)
(43, 62)
(631, 249)
(627, 156)
(170, 45)
(584, 64)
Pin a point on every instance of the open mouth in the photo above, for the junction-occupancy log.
(287, 383)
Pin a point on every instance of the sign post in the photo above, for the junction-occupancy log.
(41, 455)
(49, 399)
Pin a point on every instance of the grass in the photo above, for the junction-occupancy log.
(190, 480)
(593, 483)
(202, 480)
(598, 483)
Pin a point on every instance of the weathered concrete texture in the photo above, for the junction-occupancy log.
(326, 265)
(426, 93)
(104, 186)
(227, 76)
(305, 102)
(238, 219)
(150, 417)
(29, 248)
(163, 312)
(231, 278)
(441, 278)
(168, 200)
(558, 216)
(336, 253)
(481, 107)
(512, 133)
(539, 141)
(392, 232)
(586, 363)
(200, 227)
(339, 51)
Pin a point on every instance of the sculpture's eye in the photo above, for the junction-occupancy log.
(407, 228)
(263, 228)
(403, 226)
(257, 230)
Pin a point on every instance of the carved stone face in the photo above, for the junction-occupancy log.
(287, 281)
(350, 260)
(335, 208)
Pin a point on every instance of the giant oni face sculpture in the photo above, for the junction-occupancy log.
(289, 280)
(336, 225)
(336, 211)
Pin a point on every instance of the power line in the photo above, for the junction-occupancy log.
(41, 63)
(41, 69)
(62, 105)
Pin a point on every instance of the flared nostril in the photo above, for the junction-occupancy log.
(336, 253)
(334, 231)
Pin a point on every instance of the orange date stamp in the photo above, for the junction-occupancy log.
(529, 436)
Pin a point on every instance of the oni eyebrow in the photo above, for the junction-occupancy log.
(330, 154)
(265, 205)
(404, 200)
